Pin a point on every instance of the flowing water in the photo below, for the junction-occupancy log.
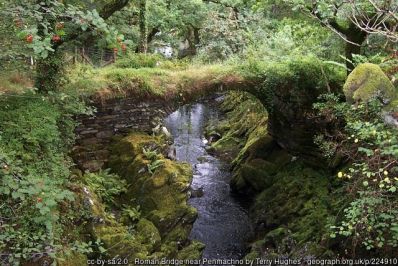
(222, 224)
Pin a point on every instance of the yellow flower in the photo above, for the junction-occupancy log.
(340, 174)
(385, 172)
(356, 140)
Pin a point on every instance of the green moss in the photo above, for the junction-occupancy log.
(367, 81)
(245, 124)
(226, 144)
(128, 78)
(258, 145)
(298, 202)
(161, 194)
(257, 175)
(192, 252)
(127, 157)
(118, 241)
(148, 235)
(71, 258)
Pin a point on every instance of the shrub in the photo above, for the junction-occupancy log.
(370, 178)
(35, 134)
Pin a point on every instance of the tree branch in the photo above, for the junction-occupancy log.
(112, 7)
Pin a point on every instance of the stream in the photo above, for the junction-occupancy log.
(222, 224)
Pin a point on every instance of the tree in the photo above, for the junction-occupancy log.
(376, 17)
(143, 44)
(352, 20)
(47, 25)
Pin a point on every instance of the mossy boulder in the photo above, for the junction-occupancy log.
(253, 176)
(126, 151)
(366, 82)
(160, 187)
(226, 146)
(294, 210)
(193, 251)
(118, 241)
(256, 165)
(148, 235)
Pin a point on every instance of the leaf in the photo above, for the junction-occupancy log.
(101, 249)
(368, 152)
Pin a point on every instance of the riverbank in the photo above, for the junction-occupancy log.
(292, 203)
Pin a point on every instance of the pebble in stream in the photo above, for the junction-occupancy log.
(223, 224)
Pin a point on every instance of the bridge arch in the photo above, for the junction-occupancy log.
(287, 90)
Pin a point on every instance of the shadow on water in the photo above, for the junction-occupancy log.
(223, 224)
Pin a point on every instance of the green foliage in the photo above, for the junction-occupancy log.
(35, 136)
(132, 60)
(131, 214)
(156, 160)
(371, 176)
(88, 247)
(291, 37)
(167, 23)
(106, 185)
(301, 78)
(43, 34)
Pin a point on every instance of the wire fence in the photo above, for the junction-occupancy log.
(94, 56)
(21, 67)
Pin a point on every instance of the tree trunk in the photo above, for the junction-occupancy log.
(196, 34)
(49, 72)
(143, 45)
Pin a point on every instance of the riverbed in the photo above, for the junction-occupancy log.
(222, 224)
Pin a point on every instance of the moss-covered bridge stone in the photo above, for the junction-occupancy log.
(287, 90)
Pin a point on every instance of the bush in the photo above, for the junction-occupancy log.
(35, 136)
(371, 177)
(139, 60)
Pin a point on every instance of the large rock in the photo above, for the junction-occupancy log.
(368, 82)
(161, 192)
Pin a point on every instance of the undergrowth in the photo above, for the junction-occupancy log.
(36, 134)
(370, 146)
